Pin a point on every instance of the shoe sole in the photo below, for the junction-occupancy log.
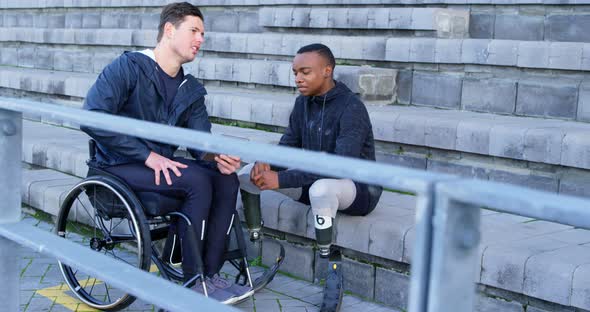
(238, 299)
(245, 296)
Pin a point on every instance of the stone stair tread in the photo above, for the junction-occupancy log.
(20, 4)
(551, 141)
(510, 260)
(499, 52)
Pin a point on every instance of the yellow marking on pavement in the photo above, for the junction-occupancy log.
(58, 294)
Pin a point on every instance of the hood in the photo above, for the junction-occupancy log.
(145, 59)
(339, 90)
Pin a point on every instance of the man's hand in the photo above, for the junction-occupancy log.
(227, 164)
(267, 180)
(161, 164)
(259, 167)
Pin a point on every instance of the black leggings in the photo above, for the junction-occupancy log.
(210, 201)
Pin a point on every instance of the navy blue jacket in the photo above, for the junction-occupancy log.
(336, 123)
(130, 87)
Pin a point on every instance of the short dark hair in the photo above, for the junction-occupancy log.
(320, 49)
(175, 13)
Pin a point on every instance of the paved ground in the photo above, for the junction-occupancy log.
(42, 288)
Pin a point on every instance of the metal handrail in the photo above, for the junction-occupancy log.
(447, 214)
(397, 177)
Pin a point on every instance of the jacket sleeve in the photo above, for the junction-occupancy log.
(108, 95)
(354, 126)
(199, 120)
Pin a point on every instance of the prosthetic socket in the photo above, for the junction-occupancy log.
(323, 234)
(254, 222)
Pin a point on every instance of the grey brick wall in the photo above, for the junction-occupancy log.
(489, 95)
(436, 90)
(518, 27)
(359, 277)
(567, 28)
(547, 99)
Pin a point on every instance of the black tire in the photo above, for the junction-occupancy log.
(118, 229)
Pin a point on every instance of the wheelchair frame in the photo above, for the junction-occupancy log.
(143, 230)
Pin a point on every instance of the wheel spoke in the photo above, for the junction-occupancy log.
(86, 210)
(107, 289)
(118, 238)
(118, 258)
(94, 205)
(119, 223)
(93, 284)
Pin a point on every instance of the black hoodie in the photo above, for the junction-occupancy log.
(344, 121)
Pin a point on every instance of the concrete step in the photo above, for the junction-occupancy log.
(446, 23)
(531, 95)
(516, 53)
(30, 4)
(496, 52)
(555, 96)
(538, 259)
(66, 149)
(135, 17)
(376, 84)
(420, 138)
(409, 125)
(546, 141)
(551, 25)
(254, 19)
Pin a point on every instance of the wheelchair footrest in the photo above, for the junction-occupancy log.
(270, 273)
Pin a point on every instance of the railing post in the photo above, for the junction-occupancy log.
(455, 241)
(421, 257)
(10, 205)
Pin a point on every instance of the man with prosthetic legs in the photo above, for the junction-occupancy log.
(326, 117)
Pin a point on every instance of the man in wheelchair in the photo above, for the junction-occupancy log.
(151, 85)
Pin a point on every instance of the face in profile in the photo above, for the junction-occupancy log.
(312, 73)
(187, 37)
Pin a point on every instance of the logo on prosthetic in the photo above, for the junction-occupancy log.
(322, 223)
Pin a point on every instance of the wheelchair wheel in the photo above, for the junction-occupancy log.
(102, 214)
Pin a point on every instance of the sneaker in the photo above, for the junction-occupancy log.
(218, 294)
(241, 292)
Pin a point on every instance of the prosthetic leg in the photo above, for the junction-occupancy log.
(254, 221)
(333, 290)
(323, 235)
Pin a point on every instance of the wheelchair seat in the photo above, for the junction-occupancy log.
(154, 204)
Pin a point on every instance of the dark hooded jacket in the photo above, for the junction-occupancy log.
(336, 123)
(130, 87)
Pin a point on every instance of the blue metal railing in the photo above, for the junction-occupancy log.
(444, 202)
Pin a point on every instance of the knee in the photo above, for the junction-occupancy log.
(244, 174)
(230, 182)
(318, 189)
(196, 179)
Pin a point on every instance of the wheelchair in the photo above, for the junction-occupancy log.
(104, 214)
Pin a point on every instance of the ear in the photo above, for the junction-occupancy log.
(169, 29)
(328, 71)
